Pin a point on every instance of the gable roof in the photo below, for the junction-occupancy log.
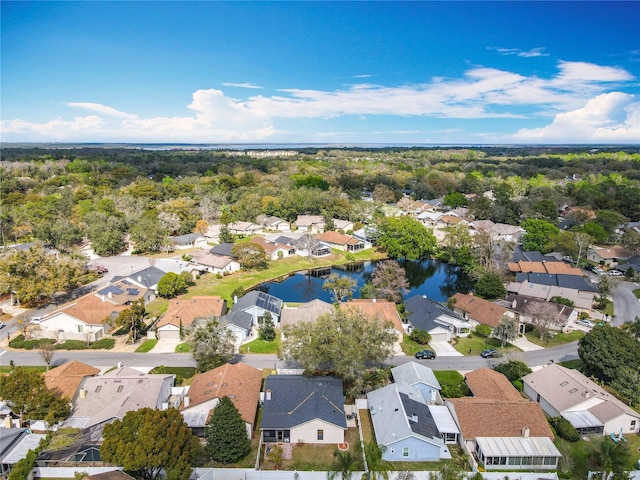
(270, 247)
(412, 373)
(487, 383)
(336, 238)
(306, 312)
(185, 311)
(567, 389)
(149, 277)
(557, 280)
(424, 312)
(89, 309)
(291, 400)
(544, 267)
(375, 308)
(308, 220)
(212, 260)
(240, 382)
(238, 318)
(122, 292)
(611, 252)
(223, 249)
(524, 305)
(65, 379)
(260, 299)
(481, 310)
(478, 417)
(186, 238)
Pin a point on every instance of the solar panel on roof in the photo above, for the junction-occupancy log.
(113, 289)
(132, 291)
(126, 282)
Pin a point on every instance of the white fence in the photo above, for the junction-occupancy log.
(68, 472)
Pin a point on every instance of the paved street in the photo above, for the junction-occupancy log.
(626, 306)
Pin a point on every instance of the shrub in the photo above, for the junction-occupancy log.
(420, 336)
(20, 342)
(72, 345)
(564, 429)
(103, 343)
(483, 330)
(513, 369)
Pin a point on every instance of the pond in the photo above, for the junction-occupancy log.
(430, 277)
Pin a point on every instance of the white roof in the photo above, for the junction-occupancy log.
(517, 447)
(29, 442)
(444, 421)
(582, 419)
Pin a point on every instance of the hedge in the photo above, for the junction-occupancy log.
(564, 429)
(20, 342)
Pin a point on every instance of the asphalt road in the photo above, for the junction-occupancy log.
(626, 307)
(107, 359)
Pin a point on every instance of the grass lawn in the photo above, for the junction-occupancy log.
(476, 344)
(574, 364)
(636, 292)
(261, 346)
(184, 372)
(410, 347)
(7, 369)
(147, 345)
(558, 339)
(367, 427)
(183, 347)
(452, 383)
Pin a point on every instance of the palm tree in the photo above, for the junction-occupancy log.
(610, 457)
(377, 466)
(343, 465)
(507, 331)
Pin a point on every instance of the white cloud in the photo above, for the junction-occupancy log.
(534, 52)
(242, 85)
(607, 118)
(578, 92)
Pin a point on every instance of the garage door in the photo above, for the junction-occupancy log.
(169, 334)
(439, 337)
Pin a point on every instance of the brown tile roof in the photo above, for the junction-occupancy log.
(486, 417)
(480, 310)
(187, 310)
(544, 267)
(487, 383)
(269, 247)
(337, 238)
(383, 309)
(307, 312)
(65, 379)
(240, 382)
(450, 219)
(90, 309)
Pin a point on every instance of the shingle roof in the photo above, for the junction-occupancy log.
(487, 383)
(307, 312)
(148, 277)
(558, 280)
(479, 309)
(89, 309)
(374, 308)
(424, 312)
(223, 249)
(185, 311)
(259, 299)
(338, 238)
(238, 318)
(291, 400)
(240, 382)
(412, 373)
(65, 379)
(487, 417)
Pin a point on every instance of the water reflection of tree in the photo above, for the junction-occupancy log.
(418, 272)
(455, 281)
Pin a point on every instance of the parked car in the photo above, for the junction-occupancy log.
(589, 267)
(585, 323)
(615, 273)
(598, 271)
(426, 354)
(1, 324)
(567, 259)
(35, 320)
(490, 353)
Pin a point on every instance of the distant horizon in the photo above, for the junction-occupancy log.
(321, 72)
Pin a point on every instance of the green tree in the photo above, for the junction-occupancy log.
(226, 434)
(27, 396)
(212, 345)
(604, 350)
(630, 239)
(378, 468)
(633, 328)
(266, 328)
(340, 286)
(343, 342)
(610, 219)
(506, 331)
(448, 472)
(406, 237)
(171, 285)
(595, 231)
(132, 318)
(250, 255)
(389, 281)
(627, 384)
(483, 330)
(344, 463)
(149, 236)
(148, 441)
(539, 235)
(513, 369)
(455, 200)
(545, 209)
(420, 336)
(610, 457)
(490, 286)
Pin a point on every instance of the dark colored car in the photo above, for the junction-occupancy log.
(426, 354)
(490, 353)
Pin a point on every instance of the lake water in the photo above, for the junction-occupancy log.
(435, 279)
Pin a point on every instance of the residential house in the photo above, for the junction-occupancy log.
(240, 382)
(524, 306)
(632, 262)
(340, 241)
(305, 312)
(105, 398)
(343, 226)
(564, 392)
(147, 278)
(273, 223)
(449, 221)
(519, 254)
(500, 232)
(479, 311)
(418, 376)
(553, 268)
(545, 287)
(609, 256)
(15, 443)
(65, 379)
(189, 240)
(383, 310)
(184, 314)
(223, 249)
(407, 427)
(87, 318)
(310, 223)
(301, 409)
(429, 218)
(244, 229)
(500, 429)
(441, 322)
(274, 250)
(217, 264)
(246, 312)
(240, 324)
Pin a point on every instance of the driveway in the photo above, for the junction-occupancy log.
(443, 349)
(166, 345)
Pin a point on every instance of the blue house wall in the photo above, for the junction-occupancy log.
(419, 451)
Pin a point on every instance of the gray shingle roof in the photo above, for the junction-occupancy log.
(557, 280)
(296, 399)
(259, 299)
(238, 318)
(223, 249)
(411, 373)
(148, 277)
(424, 311)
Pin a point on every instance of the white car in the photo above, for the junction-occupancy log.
(585, 323)
(35, 320)
(598, 271)
(615, 273)
(1, 324)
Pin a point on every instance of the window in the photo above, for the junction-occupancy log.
(320, 435)
(405, 451)
(550, 460)
(633, 424)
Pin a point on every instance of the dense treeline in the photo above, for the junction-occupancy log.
(60, 196)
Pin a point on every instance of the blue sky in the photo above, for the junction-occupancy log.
(321, 72)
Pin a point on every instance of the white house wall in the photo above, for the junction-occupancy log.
(622, 422)
(67, 323)
(308, 433)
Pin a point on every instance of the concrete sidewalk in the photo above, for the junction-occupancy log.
(525, 345)
(444, 349)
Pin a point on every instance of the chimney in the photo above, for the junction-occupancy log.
(103, 298)
(140, 278)
(187, 401)
(110, 295)
(83, 393)
(268, 394)
(525, 432)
